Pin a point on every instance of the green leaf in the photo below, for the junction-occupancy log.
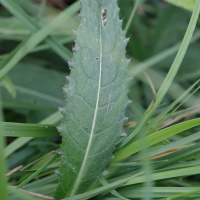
(9, 86)
(132, 15)
(16, 144)
(3, 190)
(187, 4)
(35, 39)
(37, 172)
(170, 76)
(184, 194)
(155, 138)
(96, 97)
(168, 174)
(22, 195)
(43, 94)
(158, 192)
(28, 130)
(103, 181)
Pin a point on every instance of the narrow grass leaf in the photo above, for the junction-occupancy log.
(183, 194)
(189, 171)
(137, 69)
(9, 86)
(37, 172)
(189, 5)
(31, 24)
(22, 195)
(135, 180)
(173, 145)
(34, 40)
(3, 187)
(132, 15)
(102, 189)
(28, 130)
(16, 144)
(103, 181)
(170, 76)
(154, 138)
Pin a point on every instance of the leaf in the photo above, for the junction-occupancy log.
(25, 47)
(155, 138)
(19, 142)
(43, 94)
(37, 172)
(158, 192)
(28, 130)
(96, 97)
(169, 78)
(9, 86)
(3, 181)
(13, 29)
(186, 4)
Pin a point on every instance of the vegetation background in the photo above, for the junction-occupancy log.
(31, 86)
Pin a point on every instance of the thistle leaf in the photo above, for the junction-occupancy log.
(96, 97)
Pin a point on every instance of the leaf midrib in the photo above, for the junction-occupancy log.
(94, 119)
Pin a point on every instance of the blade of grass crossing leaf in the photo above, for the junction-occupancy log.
(170, 76)
(103, 181)
(37, 172)
(16, 144)
(132, 15)
(102, 189)
(3, 187)
(155, 138)
(135, 179)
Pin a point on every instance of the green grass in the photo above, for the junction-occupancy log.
(158, 157)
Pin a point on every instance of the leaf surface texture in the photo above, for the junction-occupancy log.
(96, 97)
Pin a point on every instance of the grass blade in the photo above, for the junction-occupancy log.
(137, 69)
(170, 76)
(16, 144)
(34, 40)
(9, 86)
(22, 195)
(37, 172)
(31, 24)
(132, 15)
(183, 194)
(3, 189)
(154, 138)
(28, 130)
